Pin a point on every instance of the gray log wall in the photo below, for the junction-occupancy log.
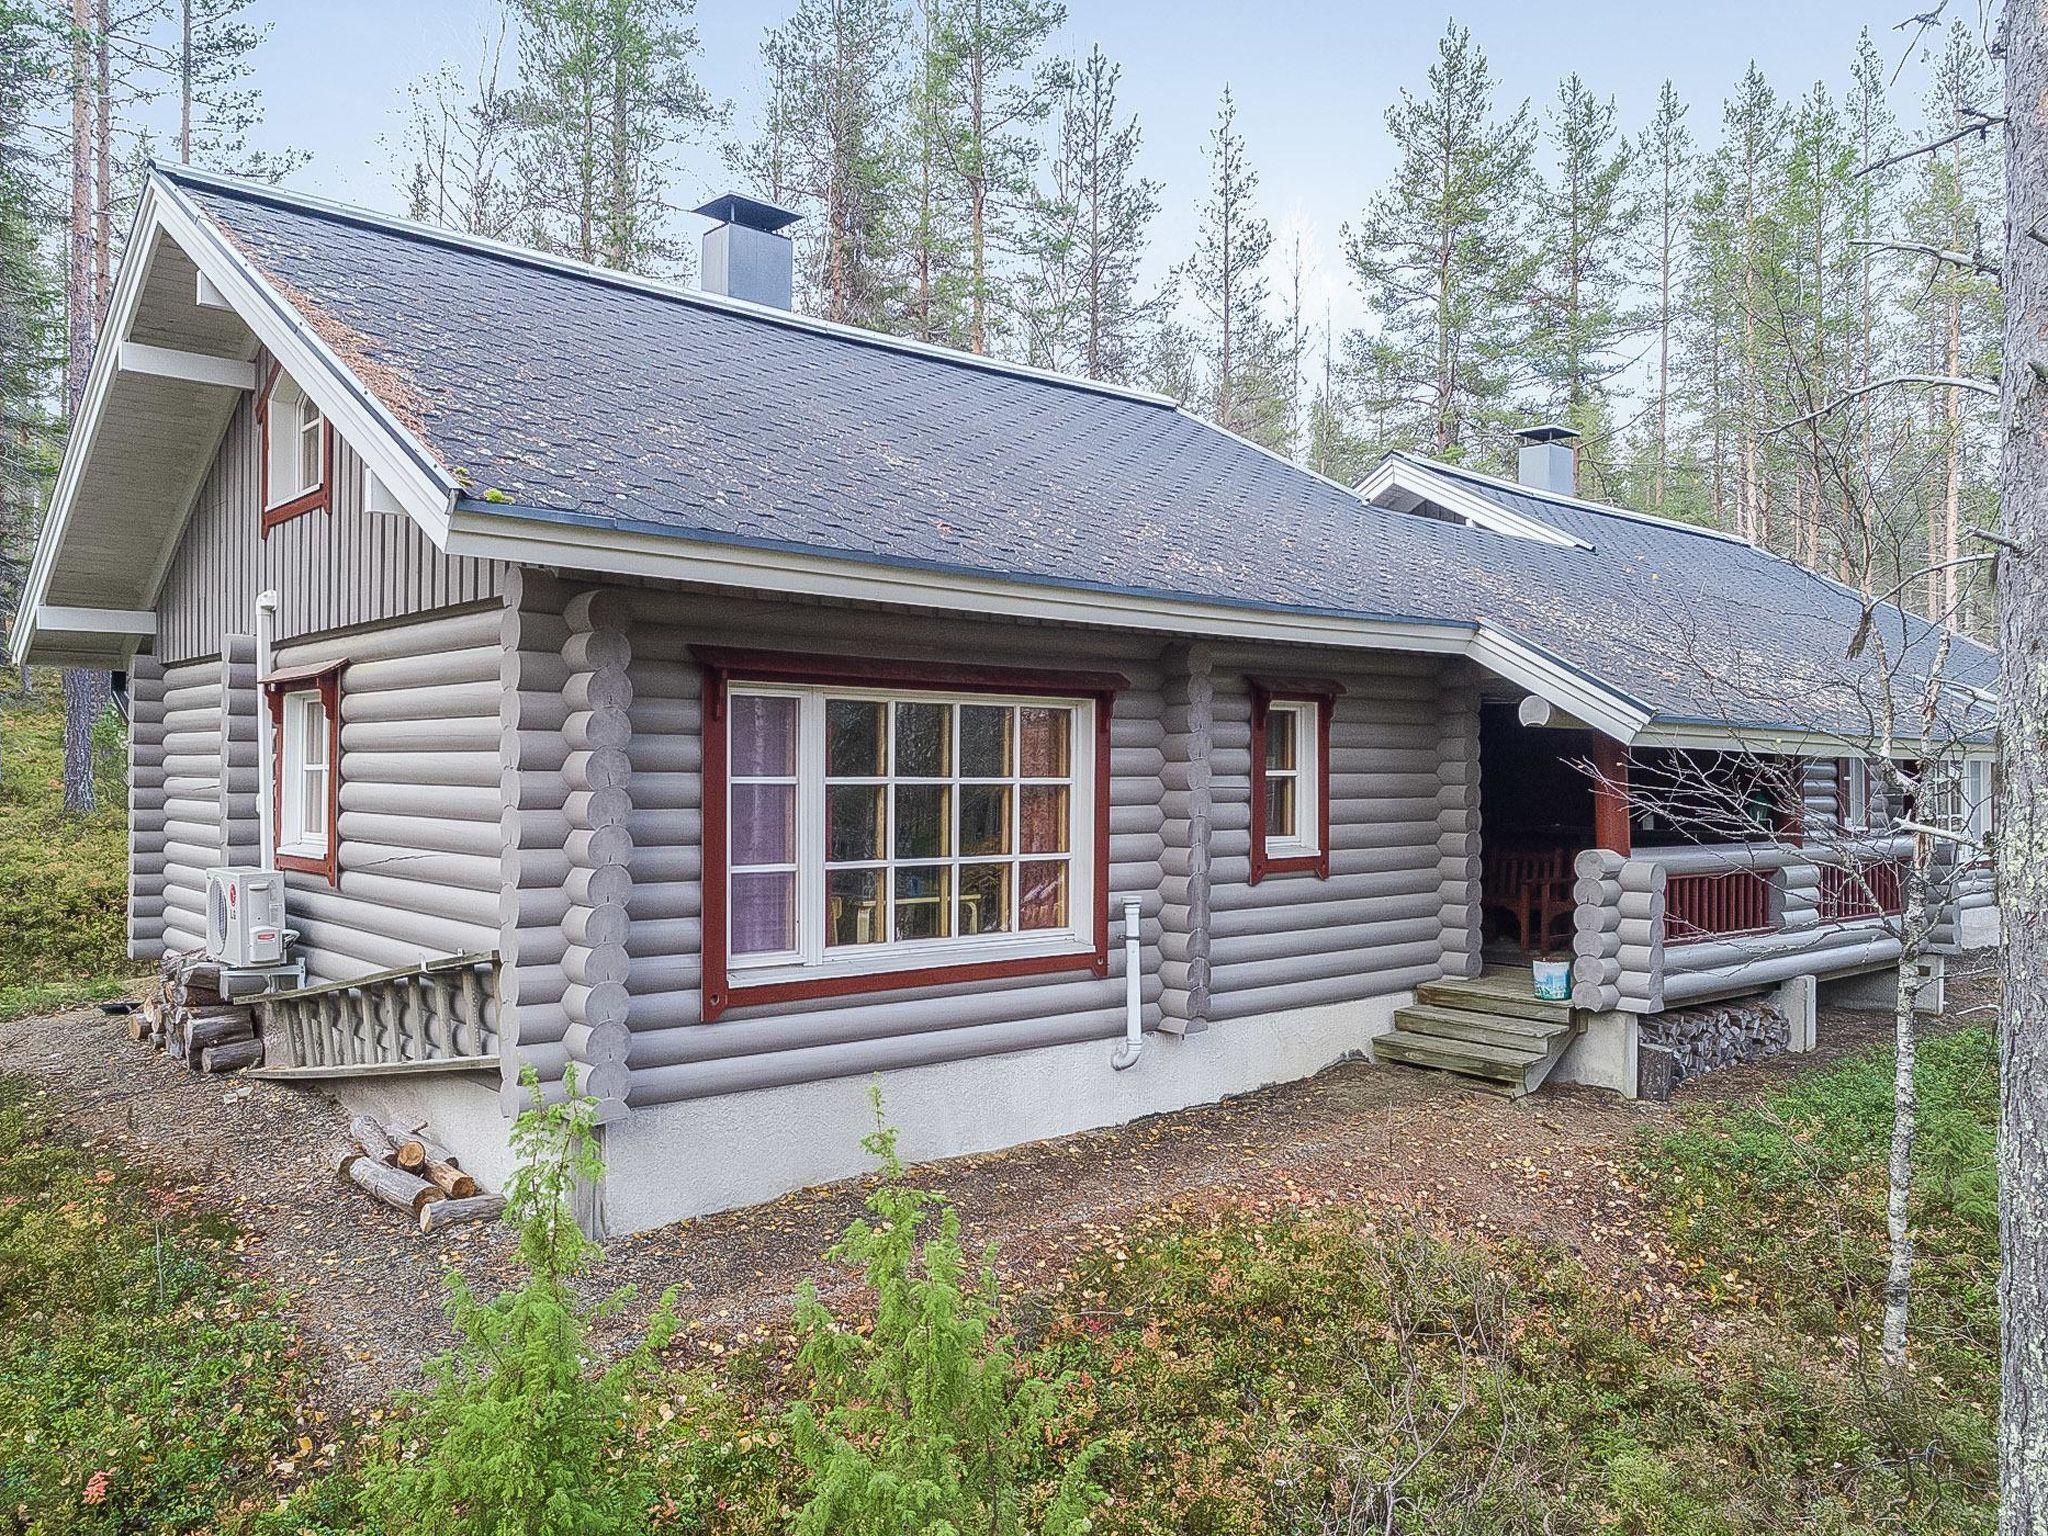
(600, 731)
(1377, 924)
(192, 797)
(419, 850)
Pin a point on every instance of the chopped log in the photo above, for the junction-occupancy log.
(416, 1149)
(142, 1022)
(446, 1213)
(174, 1047)
(231, 1056)
(345, 1157)
(373, 1138)
(449, 1179)
(202, 1030)
(394, 1186)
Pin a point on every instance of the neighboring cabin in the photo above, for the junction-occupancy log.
(730, 707)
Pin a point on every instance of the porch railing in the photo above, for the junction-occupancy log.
(1864, 889)
(1722, 904)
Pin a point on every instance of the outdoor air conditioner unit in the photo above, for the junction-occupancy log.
(245, 917)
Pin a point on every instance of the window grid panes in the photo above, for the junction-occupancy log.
(296, 444)
(913, 822)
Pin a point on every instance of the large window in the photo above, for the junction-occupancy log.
(889, 836)
(294, 452)
(1290, 778)
(305, 718)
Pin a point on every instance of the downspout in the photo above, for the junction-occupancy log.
(266, 748)
(1126, 1054)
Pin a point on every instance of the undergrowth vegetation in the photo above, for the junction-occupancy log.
(144, 1385)
(1330, 1372)
(63, 879)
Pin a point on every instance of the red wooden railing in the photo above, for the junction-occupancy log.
(1719, 905)
(1870, 888)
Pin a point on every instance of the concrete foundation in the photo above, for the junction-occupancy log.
(463, 1113)
(1603, 1056)
(1978, 928)
(678, 1160)
(1877, 991)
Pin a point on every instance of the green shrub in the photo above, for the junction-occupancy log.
(517, 1435)
(930, 1422)
(143, 1385)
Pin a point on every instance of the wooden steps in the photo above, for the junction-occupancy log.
(1493, 1030)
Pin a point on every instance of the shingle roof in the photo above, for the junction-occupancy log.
(572, 394)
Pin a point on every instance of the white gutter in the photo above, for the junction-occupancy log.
(1126, 1054)
(266, 748)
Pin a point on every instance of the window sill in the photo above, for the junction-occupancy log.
(788, 984)
(1266, 865)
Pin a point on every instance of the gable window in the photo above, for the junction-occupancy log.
(305, 712)
(908, 826)
(1291, 777)
(296, 452)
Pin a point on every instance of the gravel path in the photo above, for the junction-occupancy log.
(367, 1287)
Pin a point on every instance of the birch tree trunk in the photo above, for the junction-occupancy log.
(2022, 817)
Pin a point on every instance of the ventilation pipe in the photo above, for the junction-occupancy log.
(266, 747)
(1549, 459)
(1126, 1054)
(746, 255)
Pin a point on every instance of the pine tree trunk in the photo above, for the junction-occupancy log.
(86, 693)
(185, 81)
(2022, 850)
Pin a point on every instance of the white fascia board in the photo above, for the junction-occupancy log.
(1606, 711)
(95, 621)
(105, 368)
(1448, 494)
(394, 453)
(753, 568)
(187, 367)
(1598, 508)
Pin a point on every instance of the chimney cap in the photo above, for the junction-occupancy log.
(748, 212)
(1548, 432)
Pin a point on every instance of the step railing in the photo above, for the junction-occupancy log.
(439, 1015)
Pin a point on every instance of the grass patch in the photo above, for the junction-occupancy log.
(144, 1385)
(63, 879)
(1779, 1206)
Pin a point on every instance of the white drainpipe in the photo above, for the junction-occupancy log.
(1134, 1003)
(266, 748)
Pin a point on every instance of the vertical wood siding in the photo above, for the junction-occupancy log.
(331, 569)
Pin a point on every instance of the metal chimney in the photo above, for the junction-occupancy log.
(746, 255)
(1549, 459)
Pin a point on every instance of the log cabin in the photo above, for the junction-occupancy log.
(731, 710)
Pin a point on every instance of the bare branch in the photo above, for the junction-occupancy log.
(1965, 259)
(1932, 380)
(1984, 124)
(1994, 538)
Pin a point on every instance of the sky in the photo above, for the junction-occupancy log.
(1312, 82)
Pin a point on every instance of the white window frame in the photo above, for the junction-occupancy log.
(285, 443)
(304, 780)
(811, 959)
(1303, 718)
(1855, 794)
(1977, 792)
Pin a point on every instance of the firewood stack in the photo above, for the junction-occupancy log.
(413, 1173)
(186, 1018)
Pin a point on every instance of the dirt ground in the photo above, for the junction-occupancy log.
(368, 1287)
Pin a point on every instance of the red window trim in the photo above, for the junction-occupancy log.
(311, 501)
(1266, 692)
(723, 666)
(327, 682)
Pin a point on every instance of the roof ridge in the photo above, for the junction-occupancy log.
(306, 203)
(1597, 508)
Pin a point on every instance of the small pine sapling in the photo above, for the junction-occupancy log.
(517, 1436)
(928, 1423)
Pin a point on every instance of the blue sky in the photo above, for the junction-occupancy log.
(1312, 81)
